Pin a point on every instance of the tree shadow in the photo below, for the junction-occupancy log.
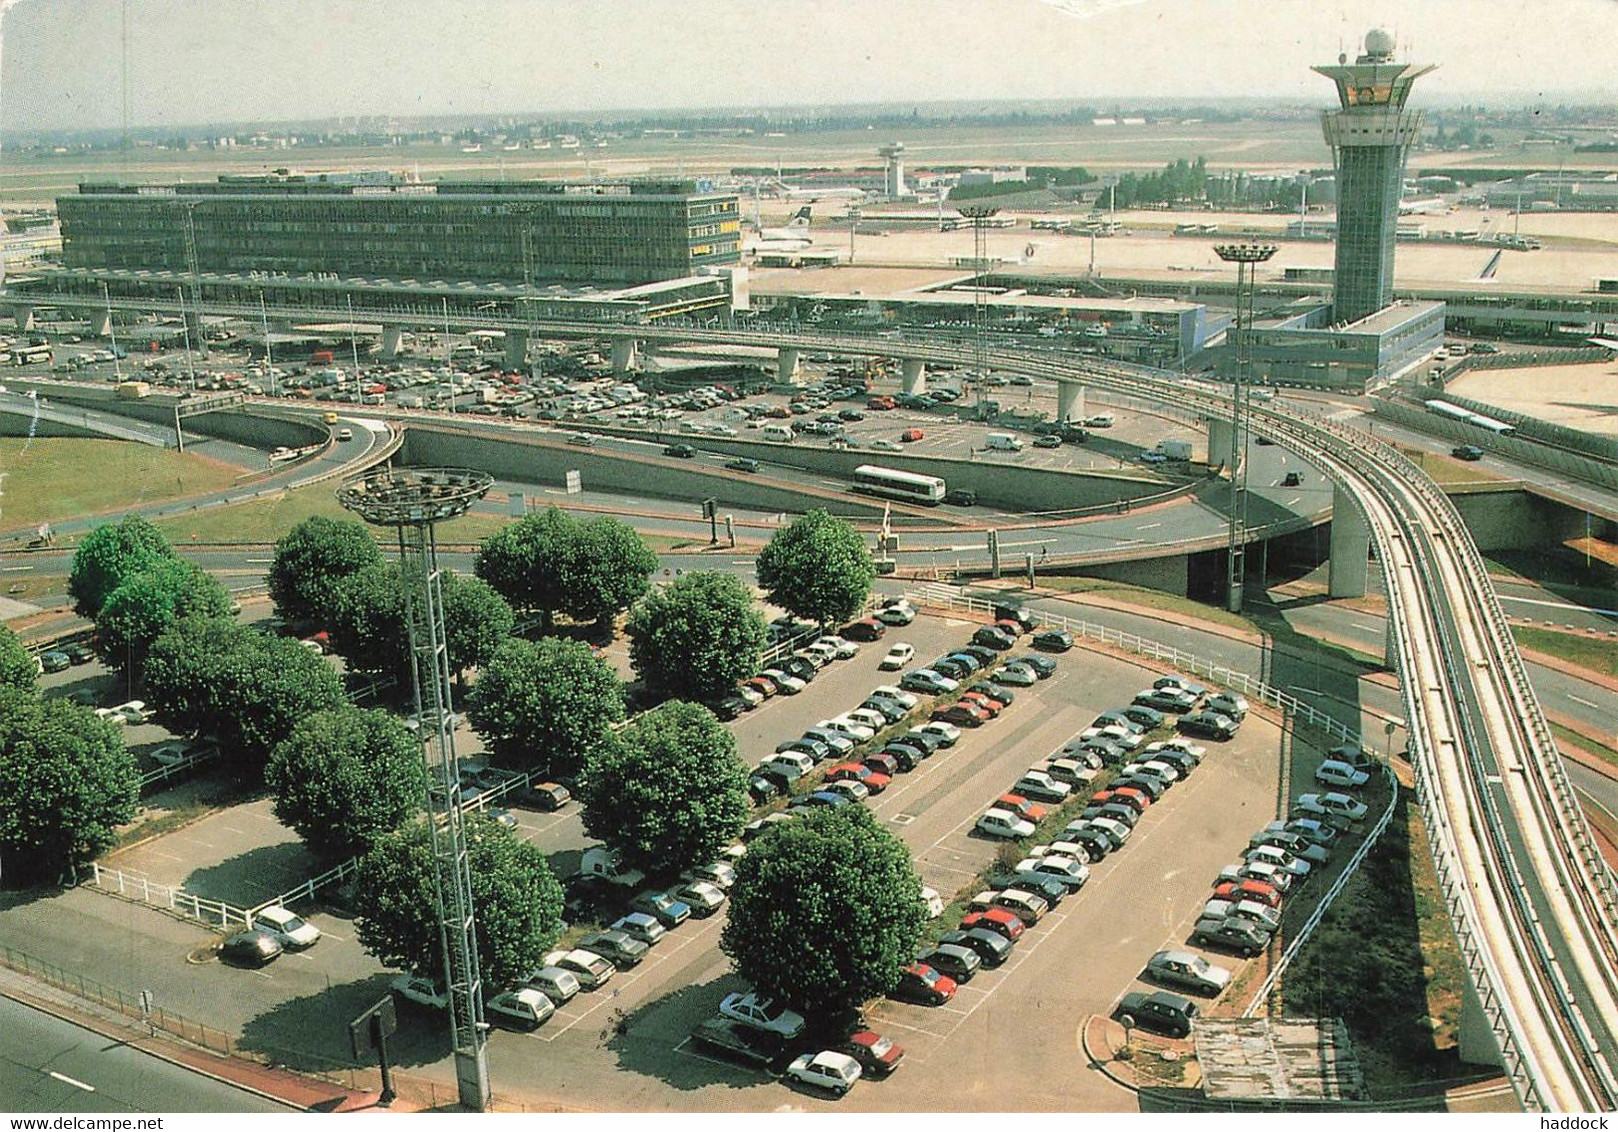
(311, 1033)
(256, 875)
(654, 1040)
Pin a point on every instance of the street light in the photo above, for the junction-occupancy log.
(1246, 257)
(977, 214)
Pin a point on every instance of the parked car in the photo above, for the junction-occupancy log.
(524, 1009)
(947, 732)
(1333, 773)
(928, 682)
(1069, 872)
(415, 990)
(860, 774)
(1004, 823)
(740, 1040)
(294, 932)
(867, 629)
(991, 636)
(1041, 666)
(1318, 832)
(784, 682)
(843, 650)
(992, 948)
(899, 614)
(251, 948)
(1187, 970)
(1166, 699)
(666, 908)
(1294, 843)
(1025, 905)
(997, 920)
(898, 656)
(1162, 1011)
(1261, 916)
(1227, 703)
(1255, 890)
(555, 983)
(54, 660)
(703, 897)
(617, 947)
(1041, 787)
(1336, 807)
(962, 715)
(1053, 640)
(1142, 716)
(878, 1055)
(639, 926)
(1183, 683)
(1208, 725)
(761, 1013)
(921, 983)
(828, 1069)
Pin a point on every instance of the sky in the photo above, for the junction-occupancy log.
(193, 62)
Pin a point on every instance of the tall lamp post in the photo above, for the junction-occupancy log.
(1246, 257)
(977, 214)
(413, 501)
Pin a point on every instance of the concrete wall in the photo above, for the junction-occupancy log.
(254, 426)
(1508, 518)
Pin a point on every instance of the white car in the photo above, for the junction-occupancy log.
(844, 650)
(590, 969)
(1117, 829)
(846, 726)
(1273, 875)
(1333, 805)
(752, 697)
(1334, 773)
(762, 1014)
(888, 691)
(554, 983)
(1055, 866)
(946, 731)
(898, 656)
(1124, 737)
(852, 790)
(525, 1009)
(1069, 771)
(172, 754)
(1016, 676)
(1195, 750)
(132, 712)
(827, 1069)
(789, 684)
(865, 717)
(1004, 823)
(294, 932)
(934, 902)
(886, 446)
(1250, 910)
(794, 764)
(1280, 858)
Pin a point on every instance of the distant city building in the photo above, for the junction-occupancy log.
(998, 176)
(365, 225)
(1370, 135)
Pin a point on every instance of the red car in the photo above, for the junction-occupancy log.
(857, 772)
(883, 402)
(1136, 800)
(883, 763)
(920, 983)
(869, 629)
(911, 435)
(1021, 806)
(962, 715)
(1013, 627)
(997, 920)
(1248, 890)
(760, 685)
(988, 703)
(878, 1056)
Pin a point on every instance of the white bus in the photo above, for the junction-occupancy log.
(892, 484)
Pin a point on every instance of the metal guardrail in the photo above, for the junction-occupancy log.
(1561, 461)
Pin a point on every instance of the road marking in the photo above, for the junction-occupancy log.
(1366, 626)
(258, 561)
(1294, 501)
(1582, 700)
(1559, 605)
(14, 569)
(1148, 526)
(66, 1080)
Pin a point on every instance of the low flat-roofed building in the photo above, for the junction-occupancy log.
(1302, 348)
(1278, 1063)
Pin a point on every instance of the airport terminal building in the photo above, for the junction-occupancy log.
(380, 225)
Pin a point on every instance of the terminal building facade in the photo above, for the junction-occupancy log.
(378, 225)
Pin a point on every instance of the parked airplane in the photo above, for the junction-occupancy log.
(794, 237)
(811, 193)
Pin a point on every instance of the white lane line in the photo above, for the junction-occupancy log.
(1582, 700)
(14, 569)
(77, 1084)
(1558, 605)
(258, 561)
(1366, 626)
(1148, 526)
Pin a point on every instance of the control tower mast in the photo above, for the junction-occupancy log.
(1370, 135)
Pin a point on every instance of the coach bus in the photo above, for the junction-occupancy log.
(892, 484)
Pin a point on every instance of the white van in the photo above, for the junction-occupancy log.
(777, 432)
(1005, 442)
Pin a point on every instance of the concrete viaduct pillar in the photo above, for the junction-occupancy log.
(1070, 402)
(516, 350)
(391, 337)
(625, 355)
(787, 369)
(101, 325)
(914, 375)
(1478, 1044)
(277, 325)
(24, 316)
(1350, 548)
(1219, 435)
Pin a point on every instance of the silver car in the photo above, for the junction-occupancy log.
(1187, 970)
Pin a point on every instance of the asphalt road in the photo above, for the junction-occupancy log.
(52, 1066)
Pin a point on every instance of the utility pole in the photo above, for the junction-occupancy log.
(1246, 257)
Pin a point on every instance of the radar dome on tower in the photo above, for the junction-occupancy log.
(1379, 43)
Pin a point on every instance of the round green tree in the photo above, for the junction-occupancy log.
(818, 568)
(66, 784)
(110, 555)
(516, 902)
(696, 637)
(149, 604)
(366, 618)
(343, 778)
(528, 561)
(609, 568)
(17, 667)
(826, 912)
(311, 558)
(476, 621)
(668, 791)
(545, 704)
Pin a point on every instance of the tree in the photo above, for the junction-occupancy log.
(545, 703)
(826, 912)
(366, 619)
(310, 559)
(148, 604)
(345, 777)
(476, 620)
(515, 899)
(695, 638)
(609, 568)
(17, 667)
(66, 784)
(108, 556)
(527, 561)
(668, 791)
(817, 568)
(244, 688)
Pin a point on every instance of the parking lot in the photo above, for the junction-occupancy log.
(1008, 1034)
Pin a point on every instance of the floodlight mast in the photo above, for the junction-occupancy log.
(1246, 257)
(977, 214)
(412, 501)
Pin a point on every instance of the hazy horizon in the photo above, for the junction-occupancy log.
(194, 63)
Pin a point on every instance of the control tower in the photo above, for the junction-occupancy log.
(893, 169)
(1370, 135)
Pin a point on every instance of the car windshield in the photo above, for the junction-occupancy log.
(881, 1046)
